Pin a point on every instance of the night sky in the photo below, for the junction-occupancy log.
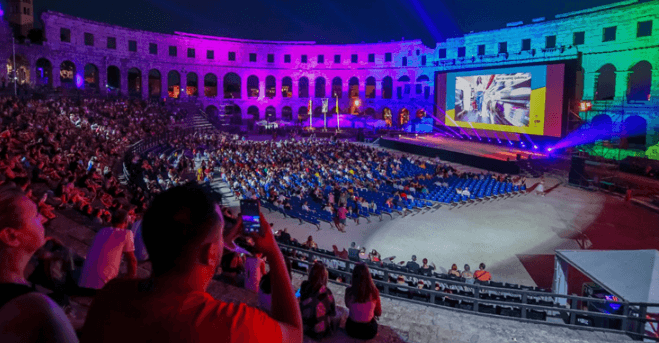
(336, 21)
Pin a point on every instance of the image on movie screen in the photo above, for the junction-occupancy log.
(501, 99)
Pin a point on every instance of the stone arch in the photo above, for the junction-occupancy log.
(302, 113)
(318, 111)
(640, 82)
(212, 111)
(270, 114)
(44, 70)
(174, 84)
(253, 86)
(155, 83)
(387, 87)
(370, 111)
(303, 87)
(22, 69)
(369, 92)
(134, 82)
(423, 78)
(287, 113)
(602, 125)
(210, 85)
(113, 79)
(192, 84)
(320, 87)
(67, 74)
(606, 83)
(337, 88)
(270, 86)
(235, 113)
(253, 111)
(286, 87)
(635, 130)
(404, 78)
(231, 86)
(353, 87)
(91, 77)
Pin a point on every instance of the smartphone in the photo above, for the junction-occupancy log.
(249, 210)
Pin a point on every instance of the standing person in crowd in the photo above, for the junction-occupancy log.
(104, 256)
(182, 232)
(254, 270)
(540, 188)
(25, 315)
(362, 299)
(481, 274)
(467, 274)
(341, 214)
(317, 303)
(353, 252)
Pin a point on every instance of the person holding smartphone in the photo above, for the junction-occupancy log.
(183, 234)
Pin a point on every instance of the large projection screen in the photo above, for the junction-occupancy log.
(523, 99)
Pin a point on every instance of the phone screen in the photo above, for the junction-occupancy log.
(250, 213)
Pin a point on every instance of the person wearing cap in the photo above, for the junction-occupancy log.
(413, 266)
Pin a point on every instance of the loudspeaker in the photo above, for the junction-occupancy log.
(577, 172)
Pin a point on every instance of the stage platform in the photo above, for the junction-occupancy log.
(496, 158)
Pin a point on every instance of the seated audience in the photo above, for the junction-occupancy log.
(317, 303)
(182, 231)
(25, 315)
(362, 299)
(340, 254)
(467, 274)
(104, 255)
(426, 269)
(481, 274)
(454, 270)
(310, 244)
(412, 265)
(353, 252)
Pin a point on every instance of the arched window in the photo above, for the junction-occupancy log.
(353, 87)
(602, 126)
(270, 87)
(67, 74)
(270, 114)
(231, 86)
(155, 83)
(337, 88)
(320, 87)
(287, 113)
(44, 72)
(252, 87)
(114, 79)
(173, 84)
(387, 87)
(640, 82)
(370, 88)
(134, 82)
(91, 77)
(192, 84)
(286, 88)
(635, 130)
(303, 87)
(210, 85)
(606, 83)
(253, 111)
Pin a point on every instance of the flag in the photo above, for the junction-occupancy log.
(310, 106)
(337, 105)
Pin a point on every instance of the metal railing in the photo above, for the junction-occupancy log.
(522, 304)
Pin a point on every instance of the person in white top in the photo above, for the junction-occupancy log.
(254, 270)
(104, 256)
(466, 192)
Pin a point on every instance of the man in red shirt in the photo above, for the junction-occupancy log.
(182, 232)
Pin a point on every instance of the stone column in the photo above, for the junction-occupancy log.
(295, 91)
(589, 85)
(261, 88)
(163, 85)
(123, 81)
(56, 76)
(103, 79)
(654, 86)
(622, 80)
(145, 84)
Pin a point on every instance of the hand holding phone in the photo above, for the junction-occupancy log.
(250, 214)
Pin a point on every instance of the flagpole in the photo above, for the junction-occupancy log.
(338, 116)
(13, 47)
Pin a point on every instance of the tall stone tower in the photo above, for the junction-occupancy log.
(20, 14)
